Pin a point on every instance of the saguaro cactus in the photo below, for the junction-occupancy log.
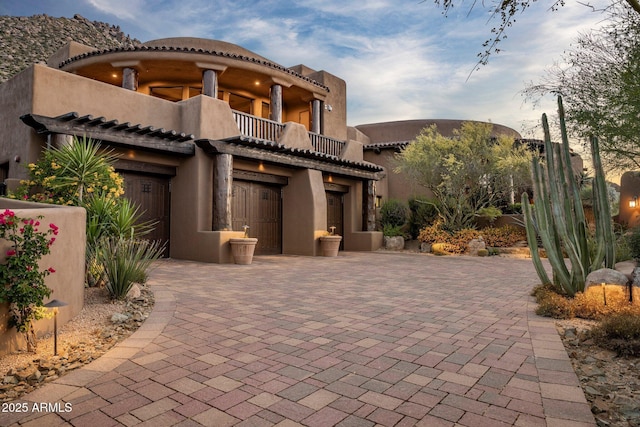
(557, 216)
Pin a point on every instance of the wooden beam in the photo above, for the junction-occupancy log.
(223, 147)
(120, 135)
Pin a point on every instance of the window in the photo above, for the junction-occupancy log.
(240, 103)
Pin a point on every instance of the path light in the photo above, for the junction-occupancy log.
(54, 304)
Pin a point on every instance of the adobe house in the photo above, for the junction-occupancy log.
(210, 137)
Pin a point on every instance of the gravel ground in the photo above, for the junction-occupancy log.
(610, 383)
(80, 341)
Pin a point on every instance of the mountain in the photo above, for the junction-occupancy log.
(28, 40)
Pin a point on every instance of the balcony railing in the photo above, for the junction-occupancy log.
(257, 127)
(326, 145)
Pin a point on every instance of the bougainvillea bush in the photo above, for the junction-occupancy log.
(21, 277)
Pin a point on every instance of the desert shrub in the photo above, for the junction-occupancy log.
(422, 212)
(619, 332)
(393, 212)
(433, 234)
(502, 237)
(513, 208)
(460, 239)
(491, 212)
(125, 262)
(457, 242)
(551, 303)
(633, 240)
(598, 303)
(623, 249)
(393, 230)
(443, 249)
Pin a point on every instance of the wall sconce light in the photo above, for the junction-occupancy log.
(54, 305)
(633, 202)
(328, 107)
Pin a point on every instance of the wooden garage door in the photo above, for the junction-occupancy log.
(259, 206)
(151, 194)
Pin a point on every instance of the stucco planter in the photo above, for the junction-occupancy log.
(242, 249)
(329, 245)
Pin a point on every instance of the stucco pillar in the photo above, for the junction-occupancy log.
(210, 83)
(369, 204)
(276, 103)
(316, 108)
(129, 78)
(223, 191)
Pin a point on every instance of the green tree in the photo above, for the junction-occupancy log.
(465, 173)
(598, 82)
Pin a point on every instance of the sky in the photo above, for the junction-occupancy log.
(401, 59)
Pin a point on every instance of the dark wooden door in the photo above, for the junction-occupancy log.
(260, 207)
(151, 194)
(335, 212)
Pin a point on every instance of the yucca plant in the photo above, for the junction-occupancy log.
(125, 262)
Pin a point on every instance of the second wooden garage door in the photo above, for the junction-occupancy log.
(260, 207)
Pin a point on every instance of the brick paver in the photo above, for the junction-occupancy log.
(363, 339)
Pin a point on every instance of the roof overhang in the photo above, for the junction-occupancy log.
(269, 151)
(125, 135)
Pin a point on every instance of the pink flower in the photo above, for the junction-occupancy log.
(11, 252)
(53, 239)
(51, 270)
(54, 227)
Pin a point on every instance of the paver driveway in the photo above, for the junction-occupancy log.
(360, 340)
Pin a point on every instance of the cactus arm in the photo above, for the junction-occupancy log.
(532, 240)
(562, 213)
(547, 228)
(573, 199)
(604, 229)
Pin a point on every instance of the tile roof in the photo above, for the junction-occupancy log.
(246, 58)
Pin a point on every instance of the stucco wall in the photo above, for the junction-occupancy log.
(629, 188)
(67, 257)
(57, 92)
(16, 100)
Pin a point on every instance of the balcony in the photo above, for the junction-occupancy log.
(257, 127)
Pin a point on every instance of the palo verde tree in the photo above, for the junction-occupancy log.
(467, 172)
(599, 85)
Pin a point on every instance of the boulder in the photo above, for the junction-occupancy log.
(475, 245)
(394, 243)
(119, 318)
(607, 276)
(134, 292)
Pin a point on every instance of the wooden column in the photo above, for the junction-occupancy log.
(316, 108)
(210, 83)
(61, 139)
(276, 103)
(369, 204)
(129, 78)
(222, 192)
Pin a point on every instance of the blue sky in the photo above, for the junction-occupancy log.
(401, 59)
